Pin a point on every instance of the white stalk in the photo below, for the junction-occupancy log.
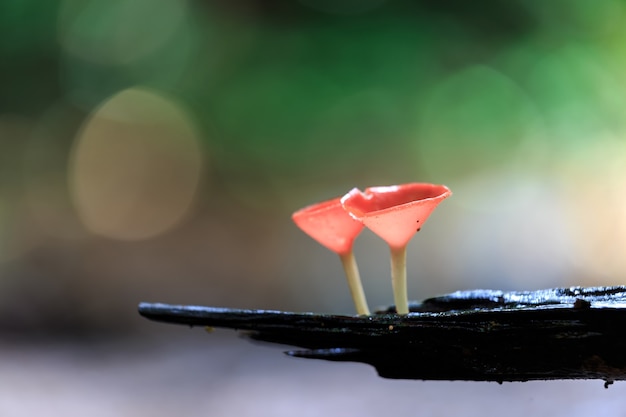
(398, 280)
(354, 282)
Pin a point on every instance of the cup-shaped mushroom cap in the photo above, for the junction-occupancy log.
(330, 224)
(395, 212)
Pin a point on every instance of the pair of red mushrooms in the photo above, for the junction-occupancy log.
(394, 213)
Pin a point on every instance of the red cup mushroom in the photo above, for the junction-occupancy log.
(396, 213)
(330, 225)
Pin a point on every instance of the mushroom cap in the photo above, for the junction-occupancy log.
(396, 212)
(330, 224)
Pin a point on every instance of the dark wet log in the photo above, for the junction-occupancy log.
(481, 335)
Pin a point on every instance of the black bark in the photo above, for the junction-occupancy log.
(481, 335)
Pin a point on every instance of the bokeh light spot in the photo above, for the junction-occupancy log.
(473, 121)
(579, 97)
(135, 166)
(118, 31)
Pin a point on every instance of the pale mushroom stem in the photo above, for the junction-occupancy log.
(354, 282)
(398, 279)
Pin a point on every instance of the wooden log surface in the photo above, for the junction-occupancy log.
(479, 335)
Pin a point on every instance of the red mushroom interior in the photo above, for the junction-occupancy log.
(329, 224)
(396, 212)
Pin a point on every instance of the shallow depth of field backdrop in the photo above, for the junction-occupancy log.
(154, 151)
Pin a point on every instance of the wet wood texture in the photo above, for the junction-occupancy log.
(480, 335)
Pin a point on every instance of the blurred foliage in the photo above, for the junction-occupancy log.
(283, 89)
(291, 101)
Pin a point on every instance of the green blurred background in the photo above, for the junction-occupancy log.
(155, 150)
